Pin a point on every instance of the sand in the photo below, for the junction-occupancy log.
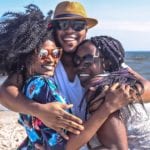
(11, 133)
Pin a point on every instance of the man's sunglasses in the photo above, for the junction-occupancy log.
(76, 25)
(87, 60)
(55, 53)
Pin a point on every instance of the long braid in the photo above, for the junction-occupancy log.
(111, 49)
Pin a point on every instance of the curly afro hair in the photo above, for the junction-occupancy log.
(20, 34)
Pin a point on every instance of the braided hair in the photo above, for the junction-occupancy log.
(111, 50)
(113, 54)
(20, 34)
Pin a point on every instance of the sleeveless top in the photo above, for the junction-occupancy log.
(137, 122)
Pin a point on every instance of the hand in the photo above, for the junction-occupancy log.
(93, 82)
(54, 116)
(117, 96)
(98, 100)
(39, 147)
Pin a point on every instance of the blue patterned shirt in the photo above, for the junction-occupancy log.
(42, 90)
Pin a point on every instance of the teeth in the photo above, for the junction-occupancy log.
(84, 75)
(69, 39)
(49, 67)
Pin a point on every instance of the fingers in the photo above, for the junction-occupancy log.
(61, 131)
(39, 146)
(71, 117)
(102, 94)
(67, 106)
(114, 86)
(70, 125)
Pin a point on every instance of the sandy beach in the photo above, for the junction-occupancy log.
(11, 133)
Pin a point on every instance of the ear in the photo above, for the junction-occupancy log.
(106, 65)
(36, 51)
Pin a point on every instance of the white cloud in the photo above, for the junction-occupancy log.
(125, 25)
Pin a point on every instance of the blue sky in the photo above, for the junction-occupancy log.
(126, 20)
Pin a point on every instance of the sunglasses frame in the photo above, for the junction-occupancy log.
(83, 60)
(52, 53)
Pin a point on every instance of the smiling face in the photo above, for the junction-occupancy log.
(69, 35)
(88, 62)
(46, 59)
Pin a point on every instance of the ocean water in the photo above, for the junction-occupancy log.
(139, 61)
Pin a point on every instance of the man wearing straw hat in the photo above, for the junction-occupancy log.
(71, 24)
(50, 114)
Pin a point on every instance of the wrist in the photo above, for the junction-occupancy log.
(108, 108)
(104, 111)
(34, 109)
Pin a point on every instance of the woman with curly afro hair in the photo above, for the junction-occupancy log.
(28, 50)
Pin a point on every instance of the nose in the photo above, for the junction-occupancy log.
(81, 67)
(70, 29)
(49, 59)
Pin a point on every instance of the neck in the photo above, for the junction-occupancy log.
(69, 66)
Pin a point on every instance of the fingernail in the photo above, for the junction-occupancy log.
(78, 132)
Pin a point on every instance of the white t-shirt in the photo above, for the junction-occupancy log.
(72, 91)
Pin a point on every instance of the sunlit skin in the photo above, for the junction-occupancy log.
(46, 66)
(69, 38)
(86, 73)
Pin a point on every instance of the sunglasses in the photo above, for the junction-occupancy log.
(76, 25)
(55, 53)
(87, 60)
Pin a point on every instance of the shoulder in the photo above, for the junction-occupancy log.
(34, 86)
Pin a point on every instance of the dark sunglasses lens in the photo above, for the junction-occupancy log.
(78, 25)
(62, 25)
(88, 60)
(56, 53)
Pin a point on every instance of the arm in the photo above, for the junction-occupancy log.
(115, 99)
(11, 98)
(145, 82)
(118, 137)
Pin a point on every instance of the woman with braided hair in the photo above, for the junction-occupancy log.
(100, 64)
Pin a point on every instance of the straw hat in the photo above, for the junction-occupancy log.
(73, 10)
